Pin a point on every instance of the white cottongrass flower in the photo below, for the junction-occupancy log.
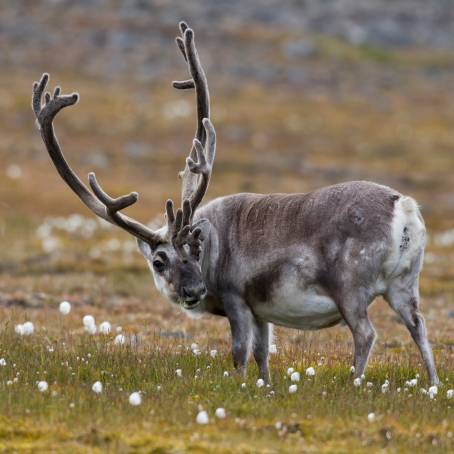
(243, 385)
(220, 413)
(423, 391)
(88, 320)
(260, 383)
(43, 386)
(202, 417)
(28, 328)
(369, 384)
(65, 308)
(24, 329)
(357, 382)
(273, 349)
(120, 339)
(2, 362)
(385, 387)
(371, 417)
(135, 399)
(411, 383)
(97, 387)
(290, 371)
(352, 369)
(226, 374)
(450, 393)
(194, 346)
(292, 389)
(295, 376)
(105, 328)
(310, 372)
(213, 353)
(179, 373)
(433, 391)
(91, 329)
(19, 329)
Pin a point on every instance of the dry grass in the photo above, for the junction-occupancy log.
(269, 140)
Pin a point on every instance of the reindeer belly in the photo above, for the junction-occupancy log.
(293, 307)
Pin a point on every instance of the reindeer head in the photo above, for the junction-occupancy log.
(174, 253)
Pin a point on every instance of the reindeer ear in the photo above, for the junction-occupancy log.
(144, 248)
(204, 225)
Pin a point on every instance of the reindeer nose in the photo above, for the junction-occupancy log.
(194, 292)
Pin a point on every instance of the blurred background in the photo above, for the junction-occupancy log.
(304, 94)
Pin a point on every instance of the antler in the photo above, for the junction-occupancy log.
(179, 229)
(100, 202)
(197, 172)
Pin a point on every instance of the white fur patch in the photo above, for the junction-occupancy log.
(408, 235)
(294, 307)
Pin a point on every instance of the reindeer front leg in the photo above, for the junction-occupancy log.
(261, 343)
(240, 319)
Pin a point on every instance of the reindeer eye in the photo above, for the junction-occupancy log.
(159, 266)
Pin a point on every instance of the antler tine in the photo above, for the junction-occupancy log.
(204, 164)
(112, 205)
(100, 203)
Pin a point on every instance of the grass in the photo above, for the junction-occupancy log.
(394, 130)
(326, 414)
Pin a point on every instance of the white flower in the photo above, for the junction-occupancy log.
(202, 417)
(65, 308)
(450, 393)
(369, 384)
(310, 372)
(220, 413)
(352, 369)
(105, 328)
(273, 349)
(292, 389)
(97, 387)
(423, 391)
(433, 389)
(2, 362)
(194, 346)
(243, 385)
(411, 383)
(120, 339)
(385, 387)
(179, 373)
(260, 382)
(43, 386)
(357, 382)
(135, 399)
(371, 417)
(213, 353)
(19, 329)
(295, 376)
(28, 328)
(91, 329)
(290, 371)
(88, 320)
(226, 374)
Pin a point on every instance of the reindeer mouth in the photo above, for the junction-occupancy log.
(191, 303)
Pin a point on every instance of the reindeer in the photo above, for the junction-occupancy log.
(305, 261)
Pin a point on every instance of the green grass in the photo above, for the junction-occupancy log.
(327, 414)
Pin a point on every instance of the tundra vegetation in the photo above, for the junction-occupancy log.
(399, 134)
